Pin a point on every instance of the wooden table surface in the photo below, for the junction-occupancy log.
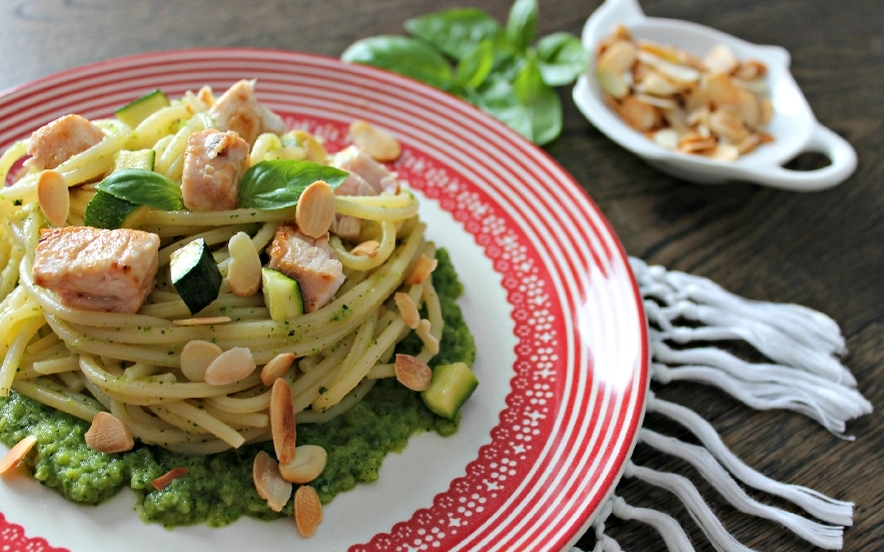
(822, 250)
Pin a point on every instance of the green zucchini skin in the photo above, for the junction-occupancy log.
(195, 275)
(451, 386)
(282, 295)
(136, 111)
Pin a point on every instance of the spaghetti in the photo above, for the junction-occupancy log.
(82, 361)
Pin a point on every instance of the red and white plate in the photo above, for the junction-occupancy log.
(562, 341)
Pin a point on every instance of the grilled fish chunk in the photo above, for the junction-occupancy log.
(308, 261)
(214, 162)
(56, 142)
(96, 269)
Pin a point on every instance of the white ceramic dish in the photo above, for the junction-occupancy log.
(793, 126)
(562, 340)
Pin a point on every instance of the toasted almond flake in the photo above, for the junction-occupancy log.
(196, 356)
(231, 366)
(638, 114)
(727, 123)
(316, 209)
(163, 481)
(720, 59)
(654, 83)
(749, 108)
(412, 372)
(725, 152)
(108, 434)
(269, 483)
(282, 421)
(696, 144)
(721, 90)
(308, 510)
(16, 454)
(421, 271)
(612, 82)
(308, 463)
(244, 270)
(407, 309)
(431, 342)
(666, 137)
(276, 368)
(618, 57)
(54, 197)
(749, 144)
(750, 70)
(366, 249)
(674, 71)
(766, 111)
(201, 321)
(378, 143)
(659, 51)
(654, 101)
(765, 138)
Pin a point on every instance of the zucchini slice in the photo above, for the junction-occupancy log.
(195, 275)
(282, 295)
(107, 211)
(451, 386)
(138, 110)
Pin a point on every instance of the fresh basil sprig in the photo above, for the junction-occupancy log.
(143, 187)
(278, 183)
(468, 53)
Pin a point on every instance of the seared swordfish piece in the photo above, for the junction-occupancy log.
(214, 161)
(96, 269)
(239, 110)
(308, 261)
(56, 142)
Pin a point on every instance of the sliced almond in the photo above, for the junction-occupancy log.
(727, 123)
(316, 209)
(282, 421)
(308, 463)
(659, 51)
(54, 197)
(725, 152)
(654, 83)
(196, 356)
(656, 101)
(749, 108)
(674, 71)
(696, 143)
(666, 137)
(16, 454)
(721, 90)
(720, 59)
(163, 481)
(230, 366)
(749, 144)
(108, 434)
(638, 114)
(308, 510)
(766, 111)
(366, 249)
(612, 82)
(244, 271)
(269, 483)
(378, 143)
(276, 368)
(750, 70)
(407, 309)
(412, 372)
(421, 271)
(201, 321)
(618, 57)
(431, 342)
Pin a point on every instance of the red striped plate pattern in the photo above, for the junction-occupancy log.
(565, 374)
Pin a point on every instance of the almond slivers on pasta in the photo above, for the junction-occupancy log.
(716, 106)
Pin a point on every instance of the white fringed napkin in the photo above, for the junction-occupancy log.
(805, 375)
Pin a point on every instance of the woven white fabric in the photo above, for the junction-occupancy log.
(685, 314)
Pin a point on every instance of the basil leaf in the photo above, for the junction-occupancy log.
(475, 67)
(278, 183)
(143, 187)
(521, 25)
(499, 99)
(562, 58)
(542, 102)
(403, 55)
(455, 32)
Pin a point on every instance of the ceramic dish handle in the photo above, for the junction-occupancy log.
(824, 141)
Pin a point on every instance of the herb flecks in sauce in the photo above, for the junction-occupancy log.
(218, 489)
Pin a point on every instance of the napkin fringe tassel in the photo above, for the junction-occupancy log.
(685, 314)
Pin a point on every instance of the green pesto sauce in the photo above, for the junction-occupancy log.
(218, 489)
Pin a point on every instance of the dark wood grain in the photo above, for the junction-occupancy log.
(823, 250)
